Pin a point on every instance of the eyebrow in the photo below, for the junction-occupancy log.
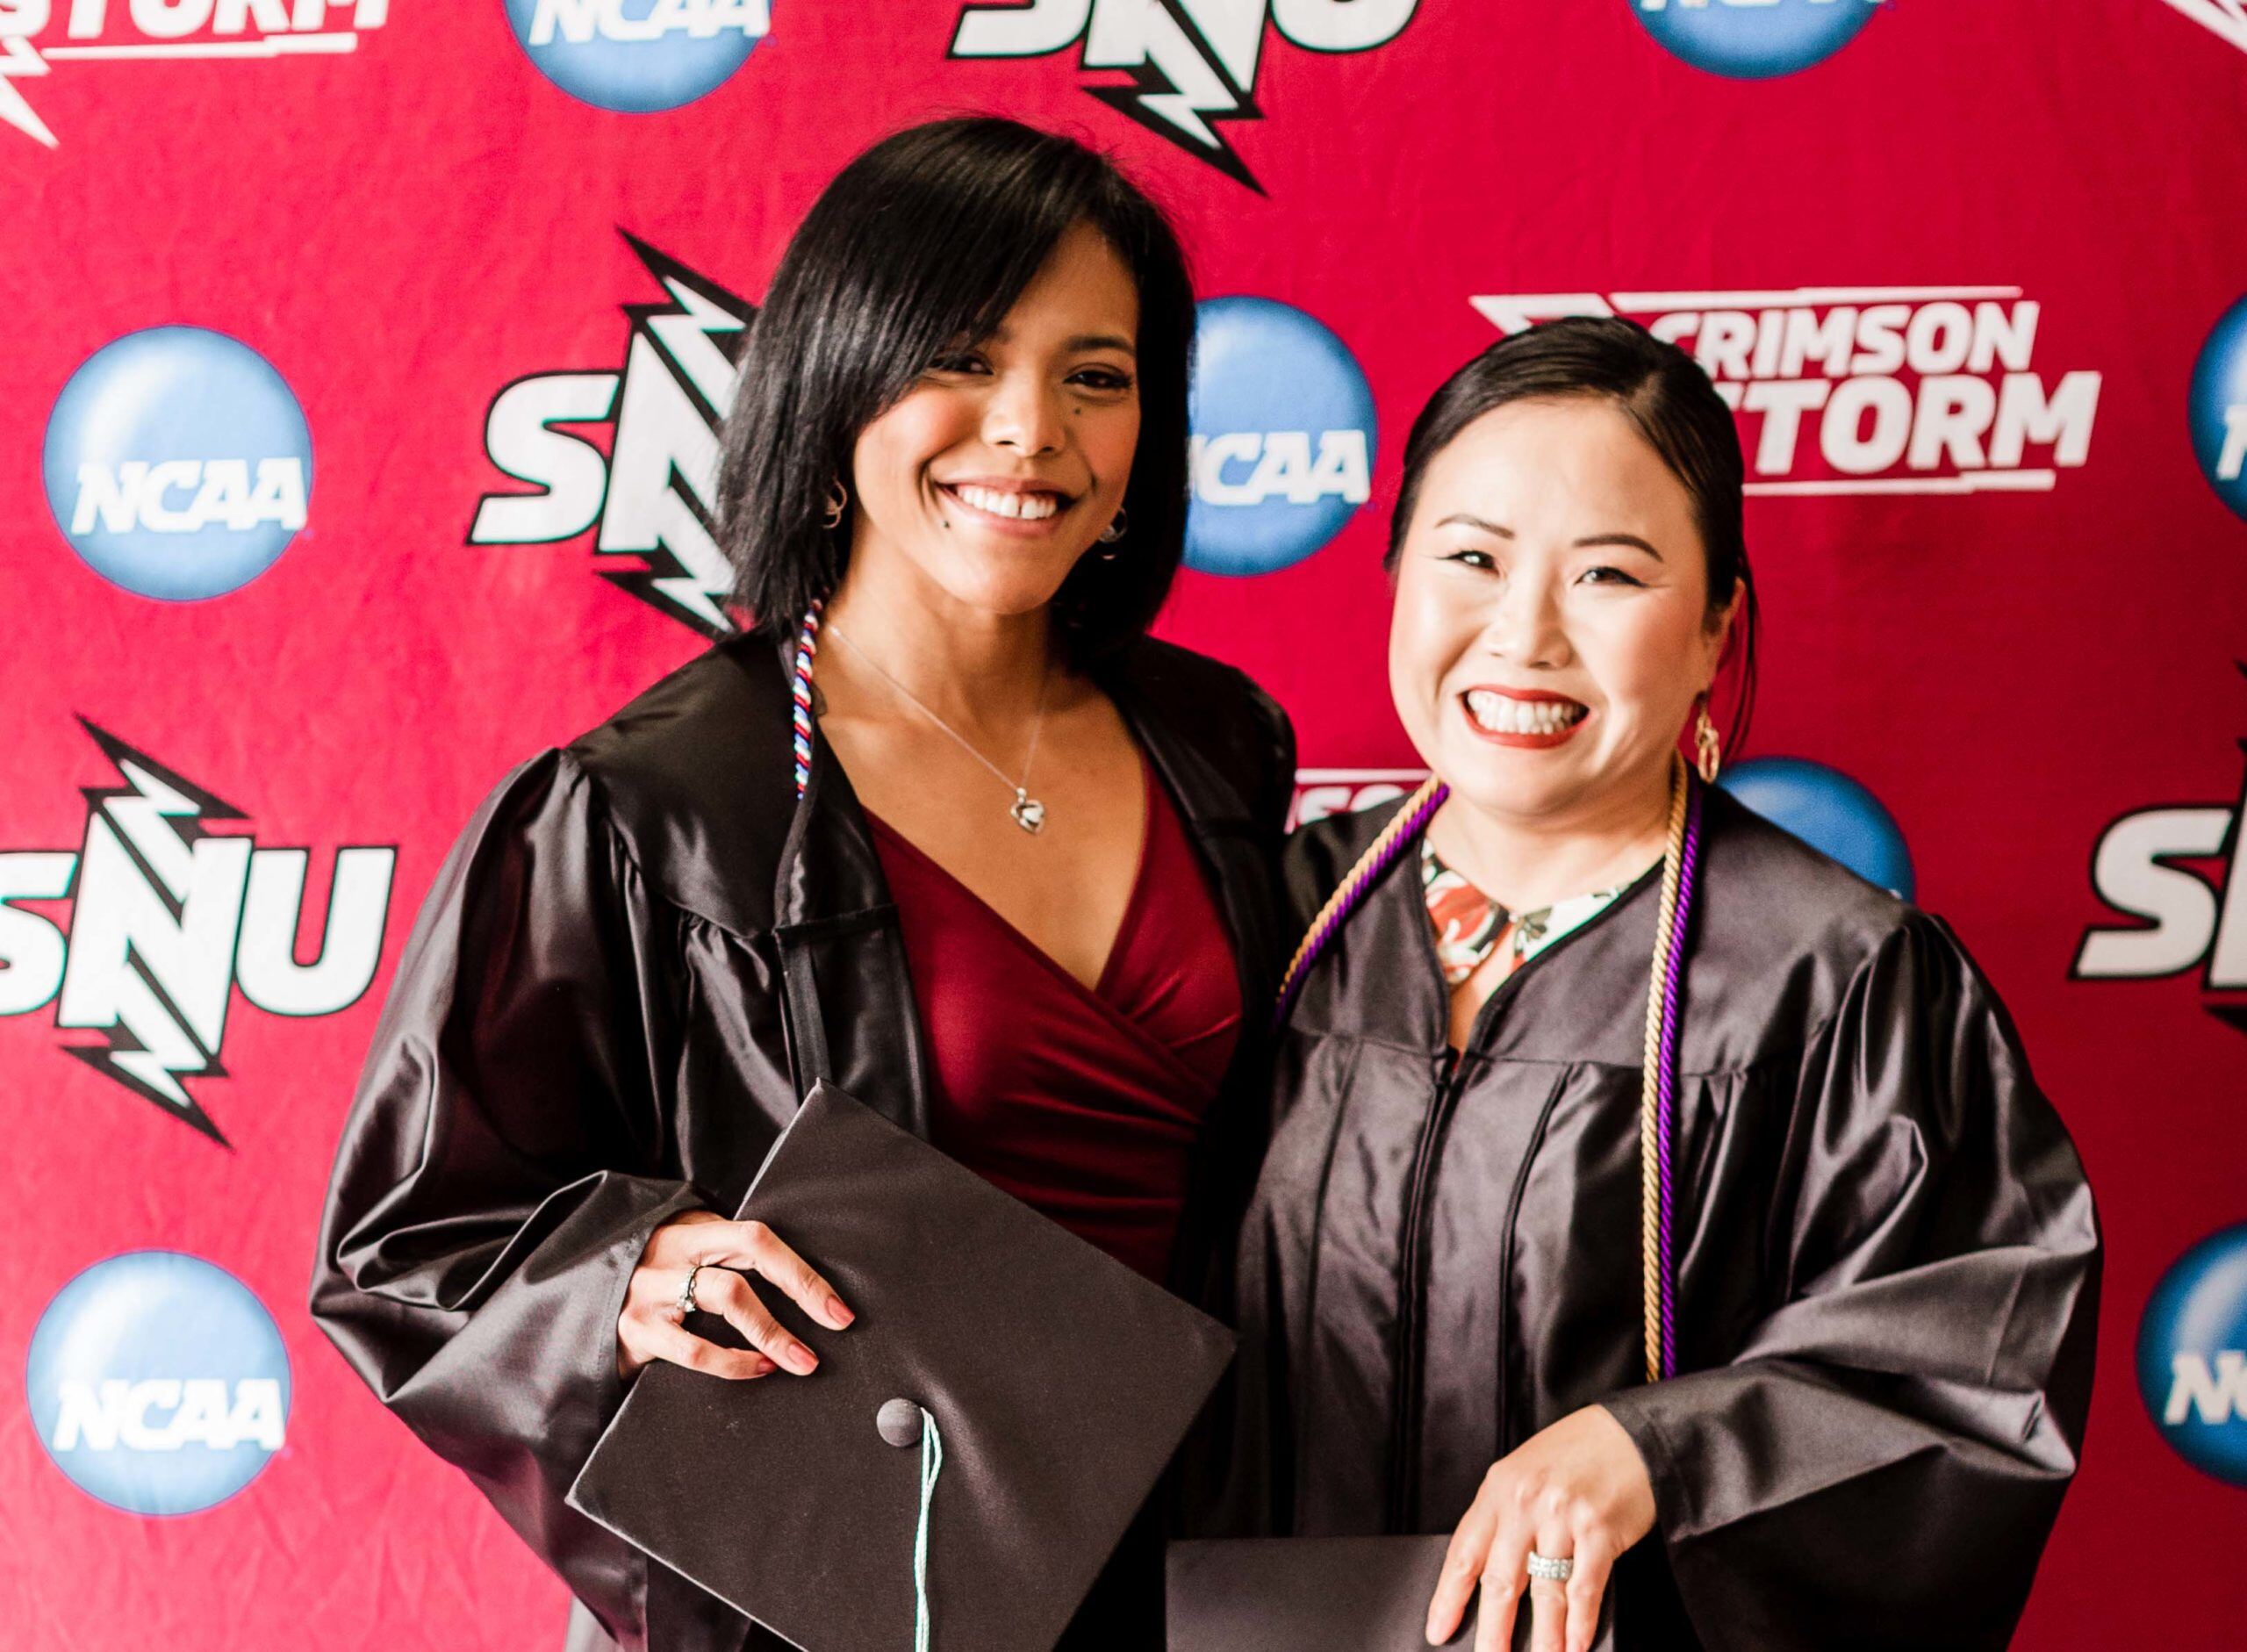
(1588, 541)
(1083, 341)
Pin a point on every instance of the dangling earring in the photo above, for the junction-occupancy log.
(1112, 532)
(1708, 749)
(838, 500)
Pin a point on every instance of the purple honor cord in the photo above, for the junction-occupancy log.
(1683, 861)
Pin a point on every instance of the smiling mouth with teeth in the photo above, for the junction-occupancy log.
(1025, 508)
(1541, 721)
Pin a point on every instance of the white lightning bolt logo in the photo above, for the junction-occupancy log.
(153, 931)
(654, 495)
(2225, 18)
(20, 59)
(667, 451)
(1185, 69)
(1192, 63)
(169, 920)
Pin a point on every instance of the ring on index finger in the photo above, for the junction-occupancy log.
(1549, 1568)
(686, 1302)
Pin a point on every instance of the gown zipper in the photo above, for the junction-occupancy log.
(1404, 1486)
(1412, 1265)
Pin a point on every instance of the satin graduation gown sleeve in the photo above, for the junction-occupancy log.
(495, 1185)
(1880, 1461)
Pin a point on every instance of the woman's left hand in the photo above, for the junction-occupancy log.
(1577, 1490)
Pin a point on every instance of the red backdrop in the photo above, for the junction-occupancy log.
(403, 214)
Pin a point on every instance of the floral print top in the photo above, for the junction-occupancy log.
(1469, 923)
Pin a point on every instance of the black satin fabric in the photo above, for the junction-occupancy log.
(639, 955)
(1888, 1257)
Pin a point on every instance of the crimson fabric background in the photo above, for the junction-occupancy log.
(405, 229)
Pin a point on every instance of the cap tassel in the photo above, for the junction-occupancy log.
(932, 1462)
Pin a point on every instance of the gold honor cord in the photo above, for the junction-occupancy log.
(1650, 1087)
(1410, 818)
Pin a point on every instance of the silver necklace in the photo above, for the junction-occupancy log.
(1027, 812)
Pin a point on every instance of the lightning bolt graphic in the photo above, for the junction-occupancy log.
(20, 59)
(1191, 63)
(680, 369)
(157, 907)
(2225, 18)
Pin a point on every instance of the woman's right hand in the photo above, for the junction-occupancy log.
(652, 1325)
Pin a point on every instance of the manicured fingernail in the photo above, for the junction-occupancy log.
(801, 1360)
(763, 1368)
(837, 1312)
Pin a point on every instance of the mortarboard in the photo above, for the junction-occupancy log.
(1292, 1594)
(1060, 1381)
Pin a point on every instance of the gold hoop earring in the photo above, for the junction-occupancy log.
(1708, 749)
(1114, 531)
(838, 500)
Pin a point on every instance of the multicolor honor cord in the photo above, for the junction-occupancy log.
(1658, 1094)
(806, 653)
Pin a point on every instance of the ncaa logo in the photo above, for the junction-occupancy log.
(178, 464)
(1753, 39)
(158, 1383)
(2218, 404)
(638, 56)
(1830, 812)
(1283, 437)
(2193, 1355)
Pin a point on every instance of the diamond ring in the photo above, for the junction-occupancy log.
(1550, 1569)
(686, 1302)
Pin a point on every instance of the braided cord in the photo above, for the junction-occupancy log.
(1654, 1155)
(1666, 1111)
(807, 654)
(1348, 895)
(1658, 1091)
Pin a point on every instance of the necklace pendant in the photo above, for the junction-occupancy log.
(1029, 813)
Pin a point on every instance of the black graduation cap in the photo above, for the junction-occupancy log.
(1060, 1381)
(1287, 1594)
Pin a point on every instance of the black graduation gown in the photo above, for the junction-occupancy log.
(638, 957)
(1887, 1253)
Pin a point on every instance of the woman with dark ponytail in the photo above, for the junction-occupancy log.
(1653, 1205)
(942, 826)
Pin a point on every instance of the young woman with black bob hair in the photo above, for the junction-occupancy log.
(942, 826)
(1654, 1205)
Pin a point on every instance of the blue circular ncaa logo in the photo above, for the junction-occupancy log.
(1283, 437)
(178, 464)
(638, 56)
(1753, 39)
(158, 1383)
(2193, 1355)
(1830, 812)
(2218, 408)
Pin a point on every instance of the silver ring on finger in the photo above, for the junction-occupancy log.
(686, 1302)
(1551, 1568)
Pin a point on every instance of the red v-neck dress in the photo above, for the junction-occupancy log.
(1083, 1102)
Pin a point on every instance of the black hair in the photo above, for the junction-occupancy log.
(1663, 392)
(922, 242)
